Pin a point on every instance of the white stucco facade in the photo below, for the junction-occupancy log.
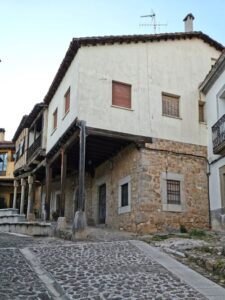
(214, 110)
(176, 67)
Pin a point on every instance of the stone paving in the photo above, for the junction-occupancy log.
(17, 280)
(103, 270)
(111, 270)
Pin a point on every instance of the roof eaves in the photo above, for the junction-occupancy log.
(76, 43)
(213, 74)
(21, 126)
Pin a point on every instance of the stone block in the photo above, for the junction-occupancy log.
(61, 224)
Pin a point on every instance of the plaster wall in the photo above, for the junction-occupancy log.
(175, 67)
(214, 110)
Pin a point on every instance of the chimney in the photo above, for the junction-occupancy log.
(188, 23)
(2, 134)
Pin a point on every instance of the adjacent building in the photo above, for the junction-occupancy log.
(30, 141)
(7, 150)
(213, 94)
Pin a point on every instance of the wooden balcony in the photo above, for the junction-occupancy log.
(218, 136)
(34, 148)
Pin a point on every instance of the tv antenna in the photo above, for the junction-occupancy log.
(153, 22)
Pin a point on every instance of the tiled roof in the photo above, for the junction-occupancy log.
(76, 43)
(20, 128)
(27, 120)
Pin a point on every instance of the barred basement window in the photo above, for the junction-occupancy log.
(173, 192)
(170, 105)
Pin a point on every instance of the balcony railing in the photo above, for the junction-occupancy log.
(218, 136)
(33, 148)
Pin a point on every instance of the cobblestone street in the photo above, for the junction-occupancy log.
(102, 270)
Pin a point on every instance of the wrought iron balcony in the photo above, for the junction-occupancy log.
(34, 147)
(218, 136)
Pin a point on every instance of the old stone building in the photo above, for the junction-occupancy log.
(30, 141)
(125, 141)
(123, 132)
(7, 150)
(213, 92)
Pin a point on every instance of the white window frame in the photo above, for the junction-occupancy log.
(124, 209)
(172, 207)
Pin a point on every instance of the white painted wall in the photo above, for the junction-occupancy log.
(71, 79)
(214, 185)
(175, 67)
(214, 109)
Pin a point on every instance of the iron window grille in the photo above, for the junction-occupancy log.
(173, 192)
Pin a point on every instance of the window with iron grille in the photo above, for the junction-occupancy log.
(173, 192)
(124, 195)
(170, 105)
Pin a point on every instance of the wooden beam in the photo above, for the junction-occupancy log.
(117, 135)
(64, 146)
(82, 152)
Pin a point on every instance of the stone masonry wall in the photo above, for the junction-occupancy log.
(145, 167)
(177, 158)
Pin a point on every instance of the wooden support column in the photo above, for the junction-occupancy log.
(63, 181)
(48, 190)
(16, 184)
(30, 215)
(23, 186)
(80, 220)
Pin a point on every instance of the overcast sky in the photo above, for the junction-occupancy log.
(35, 34)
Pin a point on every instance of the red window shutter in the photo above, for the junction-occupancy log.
(121, 94)
(67, 101)
(55, 115)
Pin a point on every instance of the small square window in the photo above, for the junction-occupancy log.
(170, 105)
(124, 195)
(121, 94)
(55, 119)
(173, 192)
(67, 101)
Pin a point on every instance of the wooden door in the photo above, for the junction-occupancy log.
(102, 203)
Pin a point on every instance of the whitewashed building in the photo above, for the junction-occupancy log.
(213, 93)
(126, 136)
